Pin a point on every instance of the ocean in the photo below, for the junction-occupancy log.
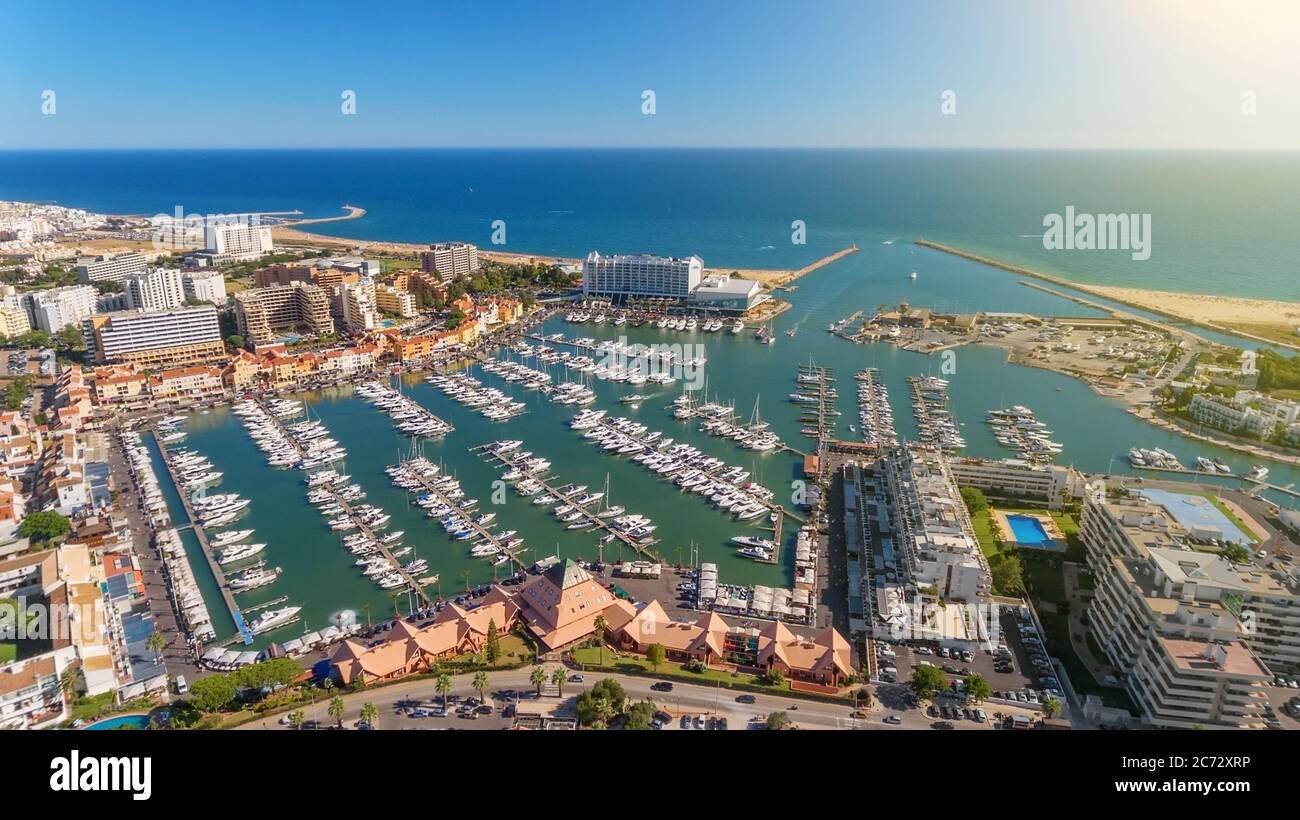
(1222, 223)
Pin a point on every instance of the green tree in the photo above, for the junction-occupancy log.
(927, 681)
(975, 500)
(212, 694)
(538, 677)
(1236, 553)
(601, 625)
(44, 526)
(655, 654)
(557, 678)
(977, 688)
(492, 645)
(369, 713)
(480, 684)
(777, 721)
(155, 643)
(297, 718)
(1008, 575)
(443, 687)
(70, 338)
(336, 709)
(639, 716)
(1052, 707)
(773, 676)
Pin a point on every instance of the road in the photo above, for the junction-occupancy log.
(684, 699)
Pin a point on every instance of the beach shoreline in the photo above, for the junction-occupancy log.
(1224, 314)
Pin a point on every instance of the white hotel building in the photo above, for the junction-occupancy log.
(641, 276)
(1196, 637)
(237, 241)
(155, 289)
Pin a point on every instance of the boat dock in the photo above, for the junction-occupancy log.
(227, 594)
(776, 509)
(356, 519)
(480, 530)
(825, 396)
(571, 499)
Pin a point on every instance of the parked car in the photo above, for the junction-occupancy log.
(893, 720)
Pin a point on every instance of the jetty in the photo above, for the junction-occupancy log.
(480, 530)
(571, 499)
(219, 575)
(347, 508)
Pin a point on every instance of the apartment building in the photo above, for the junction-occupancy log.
(187, 384)
(391, 300)
(1222, 414)
(172, 338)
(154, 289)
(1194, 634)
(355, 305)
(641, 275)
(54, 309)
(14, 321)
(934, 527)
(261, 313)
(105, 268)
(1018, 479)
(450, 260)
(237, 241)
(204, 286)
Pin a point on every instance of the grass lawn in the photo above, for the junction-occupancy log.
(514, 651)
(91, 708)
(589, 657)
(386, 265)
(1231, 516)
(8, 652)
(235, 286)
(983, 525)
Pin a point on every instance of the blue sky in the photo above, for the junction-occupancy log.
(1088, 74)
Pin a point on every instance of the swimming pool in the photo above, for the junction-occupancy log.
(1028, 530)
(133, 721)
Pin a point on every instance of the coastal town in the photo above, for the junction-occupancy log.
(210, 442)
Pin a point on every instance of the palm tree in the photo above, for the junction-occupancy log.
(336, 709)
(369, 712)
(557, 678)
(156, 643)
(296, 719)
(68, 682)
(443, 687)
(601, 625)
(480, 685)
(1052, 707)
(538, 678)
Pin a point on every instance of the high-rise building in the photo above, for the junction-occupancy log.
(392, 300)
(13, 322)
(154, 289)
(261, 312)
(356, 305)
(1196, 635)
(450, 260)
(237, 240)
(204, 286)
(54, 309)
(171, 338)
(105, 268)
(641, 275)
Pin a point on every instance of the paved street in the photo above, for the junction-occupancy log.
(685, 699)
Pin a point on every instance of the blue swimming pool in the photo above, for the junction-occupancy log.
(134, 721)
(1028, 530)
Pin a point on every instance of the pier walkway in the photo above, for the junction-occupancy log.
(376, 540)
(227, 594)
(571, 499)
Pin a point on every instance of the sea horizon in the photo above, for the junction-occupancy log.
(1221, 219)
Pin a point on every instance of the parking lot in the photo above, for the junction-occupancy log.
(1020, 673)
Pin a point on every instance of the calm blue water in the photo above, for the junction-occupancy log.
(1027, 529)
(1221, 222)
(137, 721)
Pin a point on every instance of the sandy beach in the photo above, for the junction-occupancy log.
(1265, 320)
